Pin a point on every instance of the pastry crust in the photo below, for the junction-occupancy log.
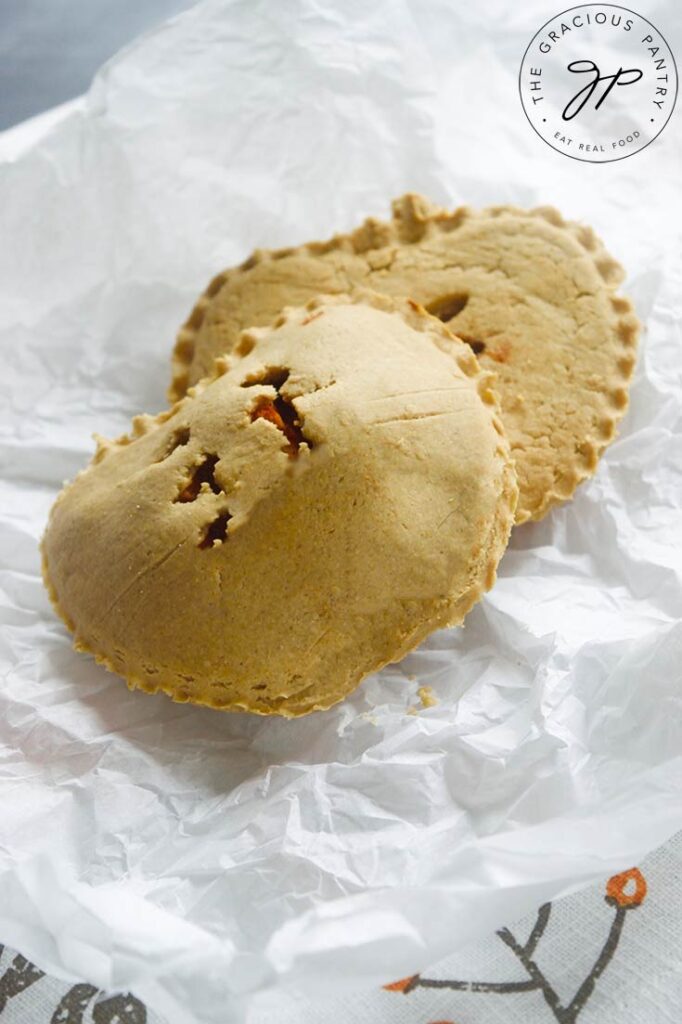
(534, 295)
(336, 489)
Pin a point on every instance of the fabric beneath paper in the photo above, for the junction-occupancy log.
(592, 959)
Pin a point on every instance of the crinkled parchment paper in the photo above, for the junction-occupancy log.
(208, 861)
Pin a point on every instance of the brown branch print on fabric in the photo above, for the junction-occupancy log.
(624, 892)
(74, 1004)
(17, 978)
(122, 1009)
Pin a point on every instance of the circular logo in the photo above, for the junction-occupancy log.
(598, 82)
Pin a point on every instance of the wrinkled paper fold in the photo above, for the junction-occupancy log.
(205, 860)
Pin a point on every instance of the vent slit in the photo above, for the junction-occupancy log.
(202, 474)
(447, 307)
(216, 531)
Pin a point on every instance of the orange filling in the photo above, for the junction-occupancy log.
(283, 415)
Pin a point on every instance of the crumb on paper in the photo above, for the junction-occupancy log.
(427, 697)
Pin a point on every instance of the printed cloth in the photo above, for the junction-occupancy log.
(609, 953)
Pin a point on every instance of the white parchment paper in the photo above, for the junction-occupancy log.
(214, 863)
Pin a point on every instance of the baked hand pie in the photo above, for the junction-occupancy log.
(535, 297)
(336, 489)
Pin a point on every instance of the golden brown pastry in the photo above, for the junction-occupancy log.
(335, 490)
(534, 296)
